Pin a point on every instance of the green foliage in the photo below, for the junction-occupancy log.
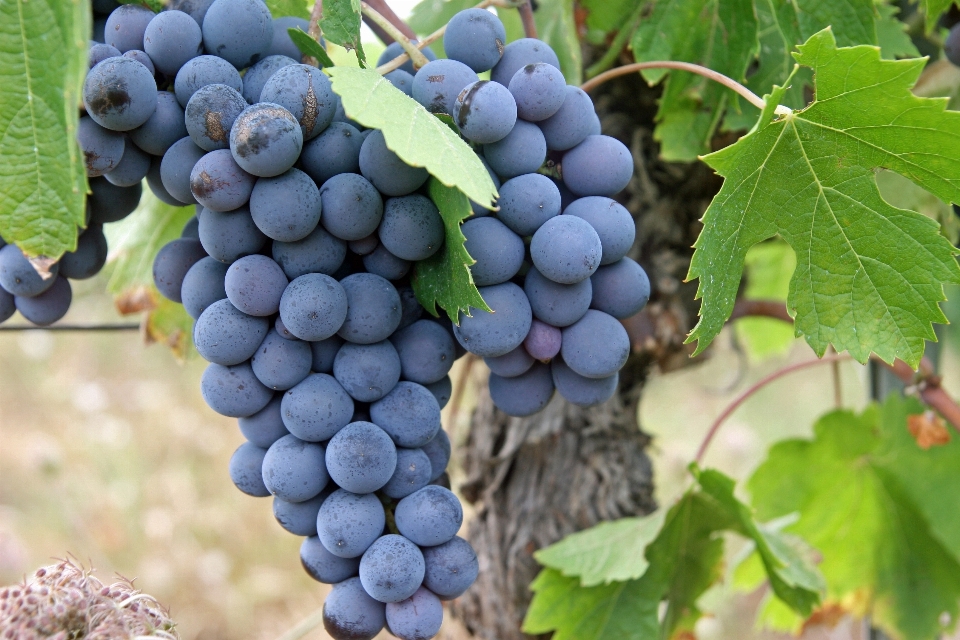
(881, 511)
(719, 34)
(869, 276)
(444, 278)
(583, 593)
(556, 26)
(892, 35)
(340, 25)
(608, 15)
(769, 267)
(298, 8)
(43, 55)
(934, 9)
(309, 46)
(852, 21)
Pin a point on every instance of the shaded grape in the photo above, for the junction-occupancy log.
(316, 408)
(233, 391)
(313, 306)
(246, 470)
(386, 170)
(294, 470)
(286, 207)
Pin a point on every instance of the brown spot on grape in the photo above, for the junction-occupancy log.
(214, 125)
(310, 107)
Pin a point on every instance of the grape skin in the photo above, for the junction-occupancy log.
(951, 46)
(171, 39)
(539, 91)
(100, 52)
(282, 43)
(543, 341)
(324, 353)
(336, 150)
(352, 206)
(373, 309)
(203, 285)
(361, 457)
(485, 111)
(612, 222)
(286, 208)
(239, 31)
(386, 170)
(17, 275)
(394, 50)
(425, 352)
(566, 249)
(201, 71)
(132, 169)
(620, 289)
(384, 264)
(316, 408)
(522, 151)
(527, 202)
(299, 518)
(210, 115)
(163, 128)
(519, 54)
(142, 58)
(559, 305)
(438, 83)
(102, 148)
(314, 306)
(109, 203)
(476, 38)
(350, 614)
(318, 252)
(596, 346)
(581, 391)
(88, 258)
(305, 92)
(367, 371)
(323, 566)
(348, 524)
(279, 363)
(428, 517)
(409, 414)
(171, 265)
(294, 470)
(441, 390)
(228, 236)
(525, 394)
(227, 336)
(494, 334)
(598, 166)
(265, 426)
(126, 25)
(8, 305)
(176, 169)
(265, 139)
(196, 9)
(416, 618)
(233, 391)
(411, 228)
(401, 80)
(413, 472)
(510, 365)
(48, 307)
(218, 183)
(438, 452)
(257, 75)
(120, 94)
(450, 568)
(392, 568)
(246, 465)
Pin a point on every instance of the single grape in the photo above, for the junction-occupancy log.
(100, 52)
(612, 222)
(142, 58)
(126, 25)
(510, 365)
(539, 90)
(203, 285)
(233, 391)
(479, 210)
(585, 392)
(418, 617)
(394, 50)
(598, 166)
(493, 334)
(210, 115)
(498, 251)
(254, 284)
(411, 228)
(280, 363)
(361, 457)
(201, 71)
(306, 93)
(386, 170)
(218, 183)
(282, 330)
(325, 353)
(367, 371)
(319, 252)
(522, 151)
(266, 138)
(88, 258)
(225, 335)
(620, 289)
(196, 9)
(594, 129)
(132, 169)
(8, 305)
(485, 111)
(951, 46)
(392, 568)
(172, 263)
(438, 83)
(373, 311)
(110, 203)
(428, 517)
(386, 265)
(282, 43)
(438, 452)
(413, 472)
(557, 304)
(410, 308)
(294, 470)
(102, 148)
(120, 94)
(317, 408)
(527, 202)
(543, 341)
(287, 207)
(476, 38)
(409, 414)
(47, 307)
(171, 39)
(571, 123)
(163, 128)
(401, 80)
(350, 614)
(336, 150)
(425, 350)
(228, 236)
(349, 523)
(519, 54)
(265, 426)
(257, 75)
(299, 518)
(176, 168)
(522, 395)
(352, 207)
(566, 249)
(239, 31)
(596, 346)
(450, 568)
(325, 567)
(313, 306)
(246, 470)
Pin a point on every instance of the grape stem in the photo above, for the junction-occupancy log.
(710, 74)
(381, 7)
(526, 17)
(411, 49)
(313, 30)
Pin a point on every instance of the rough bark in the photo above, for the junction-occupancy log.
(535, 480)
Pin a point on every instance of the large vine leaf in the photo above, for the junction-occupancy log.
(43, 60)
(444, 278)
(412, 132)
(583, 594)
(718, 34)
(869, 276)
(608, 15)
(881, 511)
(297, 8)
(853, 21)
(340, 25)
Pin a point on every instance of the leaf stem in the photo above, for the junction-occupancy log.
(411, 49)
(752, 389)
(710, 74)
(526, 17)
(315, 16)
(619, 42)
(381, 7)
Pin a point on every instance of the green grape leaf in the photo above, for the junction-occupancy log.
(134, 243)
(718, 34)
(412, 132)
(557, 27)
(444, 278)
(869, 276)
(892, 35)
(310, 47)
(608, 15)
(43, 55)
(296, 8)
(934, 9)
(609, 552)
(340, 25)
(854, 22)
(881, 512)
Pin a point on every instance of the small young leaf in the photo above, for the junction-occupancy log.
(869, 276)
(853, 21)
(892, 35)
(341, 25)
(557, 27)
(296, 8)
(934, 9)
(412, 132)
(43, 55)
(444, 278)
(310, 47)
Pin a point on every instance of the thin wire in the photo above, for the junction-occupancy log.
(72, 327)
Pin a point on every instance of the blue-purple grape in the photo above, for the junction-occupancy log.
(450, 568)
(386, 170)
(88, 258)
(265, 426)
(201, 71)
(543, 341)
(107, 202)
(596, 346)
(100, 52)
(132, 169)
(352, 206)
(246, 470)
(280, 363)
(348, 523)
(411, 228)
(225, 335)
(313, 306)
(266, 138)
(294, 470)
(413, 472)
(438, 83)
(519, 54)
(319, 252)
(325, 567)
(171, 264)
(282, 43)
(393, 50)
(476, 38)
(257, 75)
(438, 451)
(228, 236)
(428, 517)
(305, 92)
(163, 128)
(425, 351)
(539, 90)
(612, 222)
(126, 25)
(384, 264)
(171, 39)
(233, 391)
(510, 365)
(493, 334)
(325, 353)
(203, 285)
(102, 148)
(120, 94)
(498, 251)
(239, 31)
(570, 125)
(176, 168)
(401, 80)
(48, 307)
(392, 568)
(597, 166)
(620, 289)
(409, 414)
(367, 371)
(566, 249)
(361, 457)
(336, 150)
(317, 408)
(522, 395)
(299, 518)
(416, 618)
(286, 207)
(523, 150)
(581, 391)
(527, 202)
(254, 284)
(559, 305)
(218, 183)
(373, 309)
(350, 614)
(210, 115)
